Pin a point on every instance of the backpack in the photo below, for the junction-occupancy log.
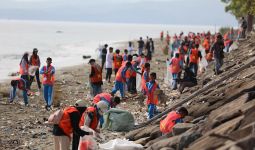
(55, 117)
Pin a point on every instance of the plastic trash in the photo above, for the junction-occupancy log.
(138, 82)
(119, 144)
(88, 142)
(118, 120)
(233, 47)
(32, 70)
(168, 77)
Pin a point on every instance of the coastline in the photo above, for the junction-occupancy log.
(71, 84)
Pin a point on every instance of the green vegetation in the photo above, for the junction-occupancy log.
(241, 8)
(223, 30)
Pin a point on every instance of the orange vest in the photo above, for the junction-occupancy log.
(168, 123)
(119, 76)
(23, 71)
(226, 39)
(106, 96)
(175, 66)
(143, 81)
(48, 78)
(151, 98)
(65, 122)
(97, 77)
(34, 61)
(206, 44)
(94, 121)
(117, 61)
(193, 56)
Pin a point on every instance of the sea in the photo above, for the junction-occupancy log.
(67, 42)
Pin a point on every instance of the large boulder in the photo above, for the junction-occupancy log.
(179, 128)
(168, 142)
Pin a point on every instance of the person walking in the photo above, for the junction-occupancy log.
(175, 68)
(35, 61)
(194, 56)
(218, 53)
(108, 64)
(48, 73)
(95, 77)
(120, 79)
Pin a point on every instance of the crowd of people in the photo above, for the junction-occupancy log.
(185, 52)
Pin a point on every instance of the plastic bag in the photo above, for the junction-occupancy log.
(118, 120)
(168, 77)
(88, 142)
(32, 70)
(233, 47)
(119, 144)
(138, 82)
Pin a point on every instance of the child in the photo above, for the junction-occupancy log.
(125, 55)
(175, 68)
(152, 98)
(117, 61)
(48, 73)
(145, 76)
(20, 84)
(95, 77)
(121, 79)
(172, 118)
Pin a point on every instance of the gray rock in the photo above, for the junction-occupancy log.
(180, 128)
(188, 138)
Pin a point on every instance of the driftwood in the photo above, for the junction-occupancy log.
(205, 88)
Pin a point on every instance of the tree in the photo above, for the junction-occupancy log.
(241, 8)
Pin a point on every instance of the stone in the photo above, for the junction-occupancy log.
(159, 139)
(188, 138)
(142, 141)
(146, 132)
(179, 128)
(168, 142)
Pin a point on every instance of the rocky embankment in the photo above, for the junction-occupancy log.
(222, 109)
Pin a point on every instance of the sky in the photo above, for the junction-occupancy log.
(175, 12)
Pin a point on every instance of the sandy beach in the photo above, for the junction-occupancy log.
(26, 124)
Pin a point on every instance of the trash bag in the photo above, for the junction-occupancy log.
(32, 70)
(88, 142)
(233, 47)
(119, 144)
(203, 63)
(168, 77)
(118, 120)
(138, 82)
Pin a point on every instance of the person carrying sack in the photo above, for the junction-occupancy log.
(68, 127)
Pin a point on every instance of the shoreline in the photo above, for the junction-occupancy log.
(71, 85)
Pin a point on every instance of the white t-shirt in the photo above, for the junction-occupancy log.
(109, 60)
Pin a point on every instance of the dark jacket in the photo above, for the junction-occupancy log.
(217, 49)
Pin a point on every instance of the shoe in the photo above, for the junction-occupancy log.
(26, 105)
(11, 101)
